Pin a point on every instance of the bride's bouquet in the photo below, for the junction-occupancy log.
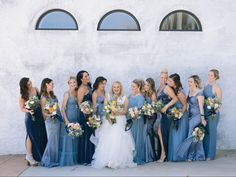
(157, 106)
(213, 105)
(198, 133)
(74, 129)
(134, 113)
(86, 108)
(110, 110)
(148, 110)
(175, 115)
(94, 122)
(31, 104)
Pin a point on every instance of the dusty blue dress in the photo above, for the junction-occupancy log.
(85, 148)
(189, 149)
(165, 122)
(177, 134)
(69, 145)
(36, 132)
(137, 130)
(209, 141)
(149, 135)
(100, 103)
(51, 154)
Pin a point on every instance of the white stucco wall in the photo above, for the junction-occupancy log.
(116, 55)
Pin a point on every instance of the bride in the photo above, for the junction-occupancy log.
(115, 147)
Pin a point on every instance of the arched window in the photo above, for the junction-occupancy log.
(118, 20)
(180, 20)
(56, 19)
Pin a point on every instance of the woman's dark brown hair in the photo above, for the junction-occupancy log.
(24, 88)
(43, 91)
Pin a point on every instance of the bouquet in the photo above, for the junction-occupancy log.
(51, 108)
(134, 113)
(158, 106)
(31, 104)
(212, 105)
(86, 108)
(198, 133)
(74, 129)
(148, 110)
(176, 115)
(94, 122)
(110, 109)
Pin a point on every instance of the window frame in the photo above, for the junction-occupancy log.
(57, 29)
(184, 11)
(114, 11)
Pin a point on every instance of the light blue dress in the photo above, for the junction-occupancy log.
(69, 145)
(149, 135)
(178, 133)
(189, 149)
(209, 141)
(100, 103)
(51, 154)
(137, 130)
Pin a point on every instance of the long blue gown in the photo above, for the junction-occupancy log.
(177, 134)
(137, 130)
(85, 148)
(100, 103)
(149, 135)
(51, 153)
(36, 132)
(189, 149)
(165, 122)
(209, 141)
(68, 150)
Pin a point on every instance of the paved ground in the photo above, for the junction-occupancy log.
(224, 165)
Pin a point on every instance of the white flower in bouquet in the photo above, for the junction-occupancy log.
(86, 108)
(212, 105)
(110, 109)
(74, 129)
(134, 113)
(158, 106)
(148, 109)
(198, 134)
(94, 121)
(31, 104)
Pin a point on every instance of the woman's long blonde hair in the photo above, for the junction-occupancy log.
(121, 89)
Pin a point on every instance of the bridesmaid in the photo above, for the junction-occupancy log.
(189, 149)
(211, 90)
(51, 153)
(69, 145)
(150, 96)
(166, 94)
(136, 99)
(98, 95)
(177, 134)
(86, 147)
(36, 137)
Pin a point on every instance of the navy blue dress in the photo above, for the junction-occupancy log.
(209, 141)
(165, 122)
(36, 132)
(86, 147)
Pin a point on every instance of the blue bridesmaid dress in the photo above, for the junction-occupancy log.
(149, 135)
(36, 132)
(177, 135)
(100, 103)
(209, 141)
(165, 122)
(189, 149)
(85, 148)
(137, 130)
(68, 151)
(51, 154)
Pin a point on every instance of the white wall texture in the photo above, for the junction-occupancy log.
(116, 55)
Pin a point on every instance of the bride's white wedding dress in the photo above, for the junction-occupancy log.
(115, 146)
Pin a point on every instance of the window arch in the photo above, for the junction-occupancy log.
(118, 20)
(56, 19)
(180, 20)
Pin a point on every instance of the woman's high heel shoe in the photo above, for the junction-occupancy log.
(162, 158)
(30, 160)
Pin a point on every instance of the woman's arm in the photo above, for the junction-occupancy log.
(43, 103)
(183, 101)
(154, 97)
(173, 97)
(126, 103)
(200, 99)
(94, 99)
(22, 106)
(63, 108)
(80, 94)
(218, 93)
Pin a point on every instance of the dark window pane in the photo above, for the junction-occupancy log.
(57, 20)
(118, 21)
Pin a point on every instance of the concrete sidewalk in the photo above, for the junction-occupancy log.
(224, 165)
